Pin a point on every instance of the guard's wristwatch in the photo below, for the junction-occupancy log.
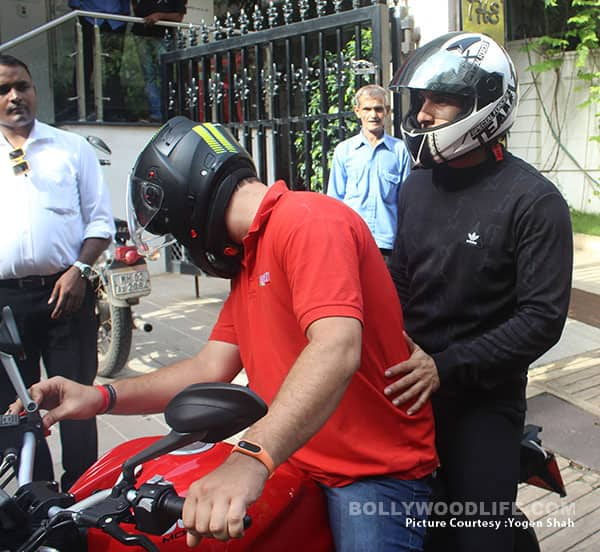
(85, 269)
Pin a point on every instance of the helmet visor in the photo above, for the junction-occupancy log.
(445, 72)
(144, 201)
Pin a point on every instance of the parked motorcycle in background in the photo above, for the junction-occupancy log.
(120, 278)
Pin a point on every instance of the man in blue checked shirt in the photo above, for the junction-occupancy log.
(369, 168)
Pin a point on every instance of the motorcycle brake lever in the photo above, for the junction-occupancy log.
(113, 529)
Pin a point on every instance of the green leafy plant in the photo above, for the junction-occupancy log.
(585, 223)
(337, 83)
(582, 30)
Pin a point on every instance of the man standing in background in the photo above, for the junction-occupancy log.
(149, 39)
(55, 220)
(112, 34)
(369, 168)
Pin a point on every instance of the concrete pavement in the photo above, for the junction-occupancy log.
(568, 374)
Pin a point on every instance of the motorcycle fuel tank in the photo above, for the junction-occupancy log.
(290, 515)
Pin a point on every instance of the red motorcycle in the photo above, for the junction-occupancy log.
(132, 496)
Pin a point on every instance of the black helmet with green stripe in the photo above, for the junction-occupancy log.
(179, 189)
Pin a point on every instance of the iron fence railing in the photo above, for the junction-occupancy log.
(80, 87)
(283, 79)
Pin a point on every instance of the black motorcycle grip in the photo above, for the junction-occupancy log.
(173, 505)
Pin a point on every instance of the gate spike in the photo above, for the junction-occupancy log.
(229, 25)
(288, 11)
(218, 34)
(191, 95)
(321, 7)
(276, 80)
(272, 14)
(180, 39)
(204, 33)
(303, 5)
(192, 35)
(257, 18)
(168, 39)
(244, 22)
(172, 96)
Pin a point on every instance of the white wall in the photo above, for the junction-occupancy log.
(126, 142)
(432, 17)
(198, 11)
(532, 138)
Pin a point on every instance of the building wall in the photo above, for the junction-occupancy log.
(566, 156)
(198, 11)
(553, 130)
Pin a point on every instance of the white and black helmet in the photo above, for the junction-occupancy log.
(470, 65)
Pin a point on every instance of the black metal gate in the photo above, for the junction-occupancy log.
(283, 80)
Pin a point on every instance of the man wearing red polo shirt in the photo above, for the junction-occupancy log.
(314, 319)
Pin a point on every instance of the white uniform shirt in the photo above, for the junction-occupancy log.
(47, 213)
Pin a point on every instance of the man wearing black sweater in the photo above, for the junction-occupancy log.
(482, 263)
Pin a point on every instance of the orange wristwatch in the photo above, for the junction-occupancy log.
(256, 451)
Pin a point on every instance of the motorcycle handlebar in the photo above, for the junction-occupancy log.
(173, 506)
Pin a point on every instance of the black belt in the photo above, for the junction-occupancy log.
(385, 252)
(31, 281)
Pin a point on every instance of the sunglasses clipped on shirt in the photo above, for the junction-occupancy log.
(20, 165)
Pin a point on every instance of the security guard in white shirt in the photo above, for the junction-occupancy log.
(55, 220)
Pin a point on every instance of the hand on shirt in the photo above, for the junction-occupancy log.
(215, 505)
(68, 293)
(418, 380)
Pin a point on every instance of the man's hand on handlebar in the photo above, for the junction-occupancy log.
(215, 505)
(63, 399)
(418, 380)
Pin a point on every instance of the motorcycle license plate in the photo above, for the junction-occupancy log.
(130, 282)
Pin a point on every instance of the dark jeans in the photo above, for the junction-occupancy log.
(68, 348)
(378, 515)
(479, 454)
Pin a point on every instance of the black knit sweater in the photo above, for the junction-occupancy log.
(482, 264)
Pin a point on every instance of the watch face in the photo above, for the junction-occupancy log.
(249, 446)
(86, 270)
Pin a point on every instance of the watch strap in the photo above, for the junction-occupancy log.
(85, 269)
(254, 450)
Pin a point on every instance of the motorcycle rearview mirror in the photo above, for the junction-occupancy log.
(11, 347)
(99, 144)
(220, 409)
(208, 412)
(10, 341)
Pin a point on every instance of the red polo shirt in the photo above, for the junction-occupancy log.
(306, 257)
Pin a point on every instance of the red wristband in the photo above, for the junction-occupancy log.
(105, 398)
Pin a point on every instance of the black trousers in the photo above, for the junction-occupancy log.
(68, 347)
(479, 455)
